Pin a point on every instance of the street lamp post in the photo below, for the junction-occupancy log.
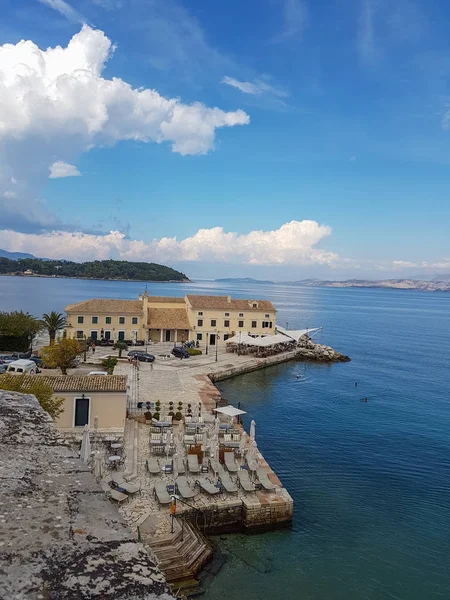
(85, 347)
(217, 343)
(207, 336)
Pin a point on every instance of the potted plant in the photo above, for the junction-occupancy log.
(156, 416)
(148, 405)
(148, 416)
(178, 416)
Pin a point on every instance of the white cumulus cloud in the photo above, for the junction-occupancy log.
(61, 169)
(256, 88)
(293, 243)
(55, 104)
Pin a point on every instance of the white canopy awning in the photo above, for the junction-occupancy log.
(262, 342)
(296, 334)
(230, 411)
(240, 338)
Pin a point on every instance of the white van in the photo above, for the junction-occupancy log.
(23, 366)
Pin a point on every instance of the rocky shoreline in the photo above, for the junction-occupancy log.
(308, 350)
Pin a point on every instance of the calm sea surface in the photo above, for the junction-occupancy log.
(370, 481)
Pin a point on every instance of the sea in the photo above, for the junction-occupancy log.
(370, 480)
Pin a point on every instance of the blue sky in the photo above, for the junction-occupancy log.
(333, 161)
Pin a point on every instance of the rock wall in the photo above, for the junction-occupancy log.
(60, 537)
(308, 350)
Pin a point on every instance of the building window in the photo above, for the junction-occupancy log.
(134, 320)
(80, 320)
(254, 305)
(199, 336)
(121, 320)
(227, 314)
(80, 335)
(254, 324)
(266, 324)
(267, 316)
(213, 322)
(241, 314)
(240, 324)
(94, 320)
(200, 323)
(226, 323)
(200, 314)
(108, 320)
(226, 336)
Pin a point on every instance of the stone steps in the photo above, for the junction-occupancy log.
(181, 555)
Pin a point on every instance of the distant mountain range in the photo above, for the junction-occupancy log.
(14, 255)
(440, 283)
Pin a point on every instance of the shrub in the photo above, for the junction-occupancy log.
(109, 364)
(156, 416)
(178, 416)
(36, 386)
(148, 415)
(194, 351)
(171, 414)
(120, 346)
(62, 354)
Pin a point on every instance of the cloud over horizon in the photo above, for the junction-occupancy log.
(55, 104)
(293, 243)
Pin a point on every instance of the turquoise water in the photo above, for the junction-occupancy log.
(370, 481)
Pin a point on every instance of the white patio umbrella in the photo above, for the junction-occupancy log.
(175, 467)
(98, 467)
(85, 450)
(252, 430)
(253, 462)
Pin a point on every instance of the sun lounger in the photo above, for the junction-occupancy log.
(153, 466)
(207, 487)
(215, 466)
(227, 484)
(114, 494)
(193, 465)
(161, 493)
(117, 477)
(131, 488)
(264, 480)
(245, 482)
(180, 465)
(183, 488)
(230, 463)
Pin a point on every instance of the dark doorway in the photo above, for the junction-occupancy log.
(93, 335)
(212, 339)
(81, 412)
(121, 336)
(167, 335)
(107, 335)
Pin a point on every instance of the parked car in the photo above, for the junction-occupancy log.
(133, 352)
(3, 368)
(23, 366)
(36, 360)
(142, 357)
(180, 352)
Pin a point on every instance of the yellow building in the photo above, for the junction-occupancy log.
(207, 319)
(89, 400)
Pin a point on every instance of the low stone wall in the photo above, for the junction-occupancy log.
(267, 516)
(223, 517)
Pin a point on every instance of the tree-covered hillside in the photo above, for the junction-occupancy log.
(98, 269)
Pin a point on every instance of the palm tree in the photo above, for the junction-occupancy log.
(53, 323)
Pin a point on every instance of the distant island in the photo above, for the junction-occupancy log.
(441, 283)
(97, 269)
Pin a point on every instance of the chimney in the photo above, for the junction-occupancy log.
(229, 299)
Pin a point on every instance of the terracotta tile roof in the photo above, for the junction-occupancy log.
(82, 383)
(106, 306)
(227, 303)
(168, 318)
(161, 299)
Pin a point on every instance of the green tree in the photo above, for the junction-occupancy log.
(61, 355)
(109, 364)
(53, 322)
(29, 384)
(120, 346)
(17, 330)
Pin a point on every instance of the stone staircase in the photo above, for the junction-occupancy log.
(180, 555)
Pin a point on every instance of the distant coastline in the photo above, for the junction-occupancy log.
(436, 285)
(22, 276)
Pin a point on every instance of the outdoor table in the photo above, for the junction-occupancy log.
(167, 468)
(114, 460)
(204, 468)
